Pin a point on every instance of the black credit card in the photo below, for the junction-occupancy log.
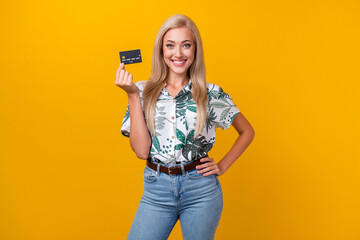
(128, 57)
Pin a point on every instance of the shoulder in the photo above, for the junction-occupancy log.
(140, 84)
(213, 87)
(215, 92)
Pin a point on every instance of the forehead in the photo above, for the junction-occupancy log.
(179, 34)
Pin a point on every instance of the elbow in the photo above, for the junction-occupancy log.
(141, 148)
(142, 155)
(141, 152)
(252, 135)
(249, 133)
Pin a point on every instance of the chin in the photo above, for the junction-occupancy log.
(179, 72)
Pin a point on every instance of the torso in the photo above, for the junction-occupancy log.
(175, 122)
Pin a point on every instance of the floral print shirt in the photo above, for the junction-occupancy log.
(175, 120)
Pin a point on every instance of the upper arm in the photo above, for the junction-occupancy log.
(241, 124)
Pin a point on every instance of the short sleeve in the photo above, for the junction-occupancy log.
(222, 108)
(125, 126)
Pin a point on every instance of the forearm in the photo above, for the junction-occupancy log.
(140, 140)
(240, 145)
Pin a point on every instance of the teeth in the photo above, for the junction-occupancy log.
(178, 62)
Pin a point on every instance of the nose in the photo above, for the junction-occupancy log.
(178, 53)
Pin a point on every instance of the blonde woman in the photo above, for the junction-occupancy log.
(171, 121)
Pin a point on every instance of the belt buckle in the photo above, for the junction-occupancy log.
(169, 171)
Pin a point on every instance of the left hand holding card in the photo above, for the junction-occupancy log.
(124, 80)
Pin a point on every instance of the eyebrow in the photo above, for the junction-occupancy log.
(182, 41)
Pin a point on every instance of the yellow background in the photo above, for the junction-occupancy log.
(292, 68)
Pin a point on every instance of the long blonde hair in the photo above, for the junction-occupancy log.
(159, 72)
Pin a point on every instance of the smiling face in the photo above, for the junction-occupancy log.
(179, 50)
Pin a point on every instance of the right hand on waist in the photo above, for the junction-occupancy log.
(124, 80)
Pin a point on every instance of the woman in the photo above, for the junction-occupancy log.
(172, 118)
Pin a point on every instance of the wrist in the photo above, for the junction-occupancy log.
(134, 95)
(222, 167)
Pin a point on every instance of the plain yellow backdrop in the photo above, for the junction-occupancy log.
(292, 68)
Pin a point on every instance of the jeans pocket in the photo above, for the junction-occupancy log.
(192, 174)
(150, 175)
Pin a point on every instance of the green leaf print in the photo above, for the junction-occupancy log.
(192, 108)
(222, 94)
(219, 94)
(160, 110)
(159, 123)
(210, 119)
(224, 113)
(180, 135)
(127, 115)
(190, 136)
(180, 109)
(196, 148)
(218, 105)
(156, 143)
(179, 146)
(214, 94)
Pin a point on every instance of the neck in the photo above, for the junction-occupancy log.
(177, 80)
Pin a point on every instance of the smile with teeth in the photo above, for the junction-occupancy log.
(179, 63)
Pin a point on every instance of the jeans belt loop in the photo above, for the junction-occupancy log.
(182, 169)
(158, 169)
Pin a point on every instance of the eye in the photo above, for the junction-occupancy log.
(187, 45)
(167, 45)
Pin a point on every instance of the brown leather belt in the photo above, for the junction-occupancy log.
(175, 170)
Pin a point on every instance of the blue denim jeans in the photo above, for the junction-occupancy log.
(191, 197)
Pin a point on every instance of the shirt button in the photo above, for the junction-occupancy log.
(172, 117)
(171, 155)
(174, 101)
(172, 137)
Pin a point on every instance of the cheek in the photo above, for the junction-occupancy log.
(191, 53)
(165, 53)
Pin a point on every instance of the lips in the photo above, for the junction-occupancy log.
(179, 62)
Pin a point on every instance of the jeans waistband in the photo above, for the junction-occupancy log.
(158, 161)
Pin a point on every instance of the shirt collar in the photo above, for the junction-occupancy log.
(184, 90)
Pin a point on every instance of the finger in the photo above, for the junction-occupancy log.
(121, 77)
(126, 80)
(210, 173)
(205, 159)
(117, 77)
(207, 169)
(122, 66)
(200, 166)
(205, 165)
(131, 77)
